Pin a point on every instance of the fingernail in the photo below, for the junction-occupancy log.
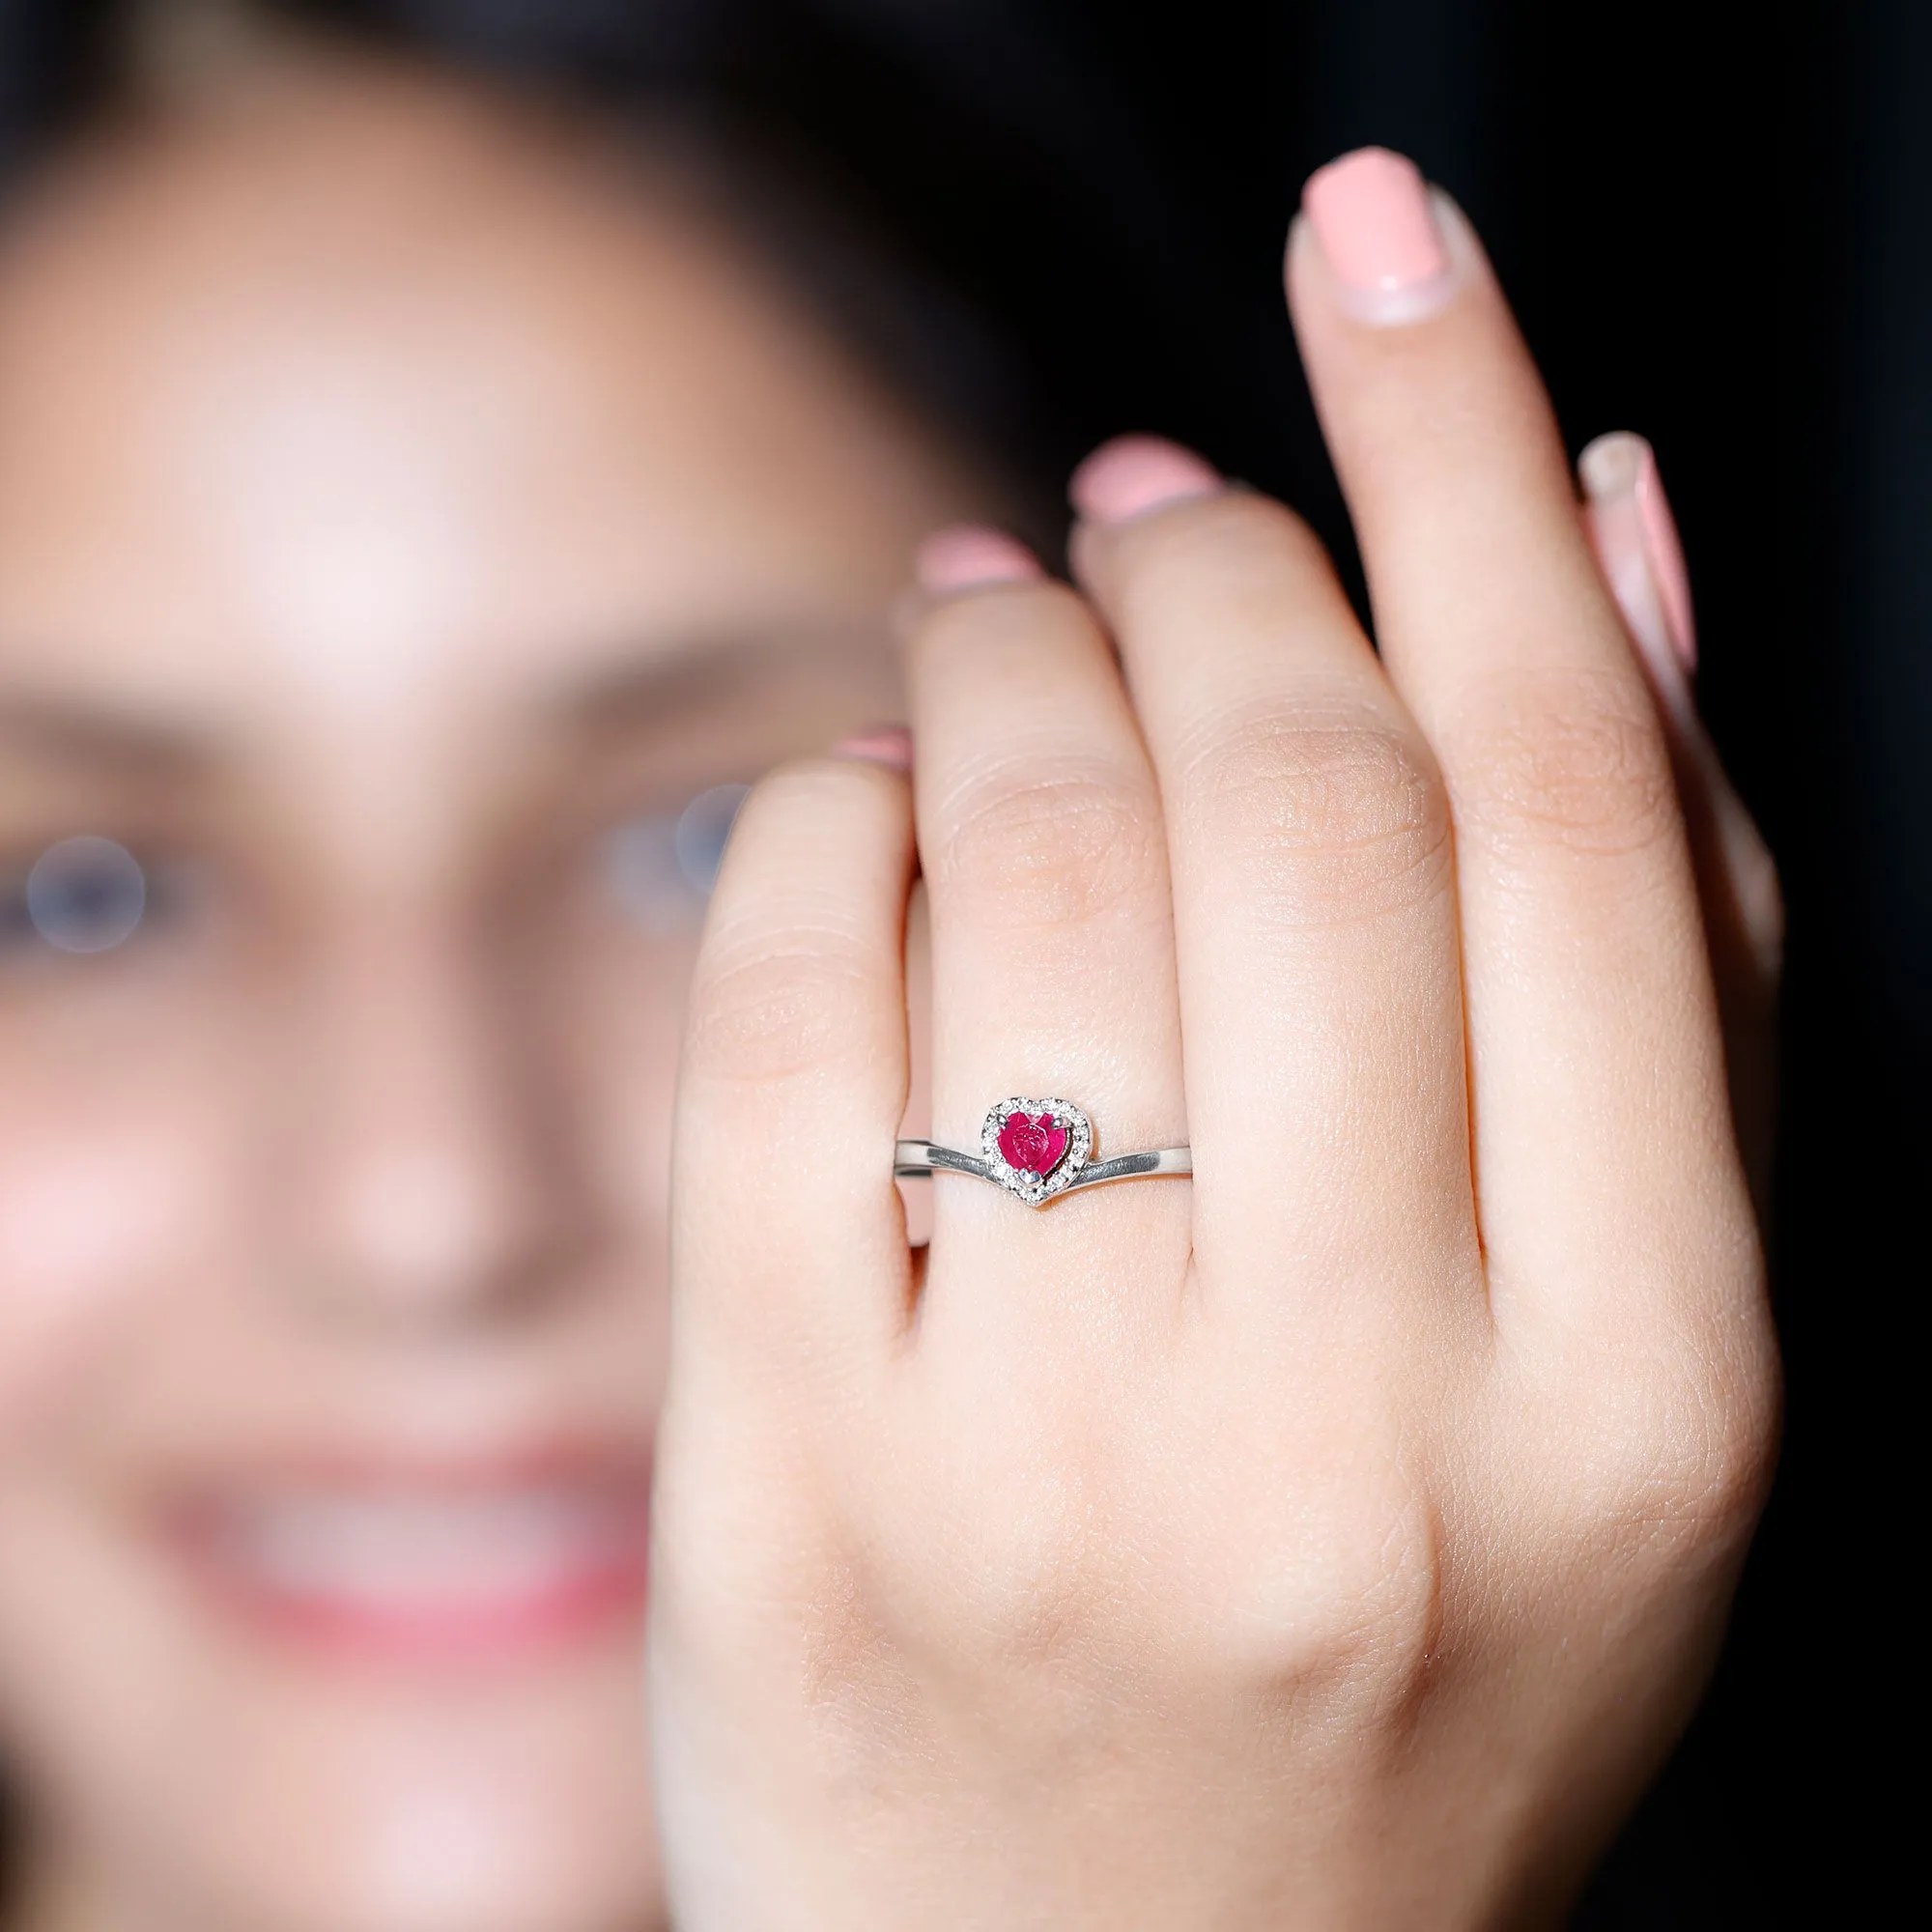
(878, 745)
(967, 555)
(1638, 544)
(1136, 474)
(1371, 212)
(1666, 550)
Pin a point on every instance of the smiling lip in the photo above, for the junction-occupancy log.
(422, 1569)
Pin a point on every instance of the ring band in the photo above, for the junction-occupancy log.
(1037, 1150)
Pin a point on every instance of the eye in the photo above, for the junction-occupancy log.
(84, 895)
(660, 868)
(703, 827)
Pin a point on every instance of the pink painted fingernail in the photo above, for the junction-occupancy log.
(1638, 544)
(966, 555)
(1665, 549)
(1136, 474)
(1372, 213)
(878, 745)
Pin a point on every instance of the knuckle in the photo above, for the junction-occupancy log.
(1575, 761)
(1343, 1587)
(1041, 1596)
(1379, 1626)
(1685, 1442)
(1345, 813)
(1045, 848)
(1723, 1443)
(794, 972)
(763, 1011)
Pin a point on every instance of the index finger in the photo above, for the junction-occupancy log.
(1597, 1081)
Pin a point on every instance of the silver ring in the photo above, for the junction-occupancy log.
(1037, 1150)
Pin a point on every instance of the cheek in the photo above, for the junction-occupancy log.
(96, 1218)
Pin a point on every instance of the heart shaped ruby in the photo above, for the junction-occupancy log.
(1033, 1143)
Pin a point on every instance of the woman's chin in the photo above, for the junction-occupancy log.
(503, 1800)
(320, 1742)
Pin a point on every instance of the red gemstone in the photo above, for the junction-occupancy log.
(1033, 1143)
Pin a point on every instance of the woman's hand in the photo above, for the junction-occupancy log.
(1338, 1538)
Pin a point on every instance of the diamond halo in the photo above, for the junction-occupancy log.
(1034, 1188)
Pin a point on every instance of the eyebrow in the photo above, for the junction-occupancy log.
(702, 669)
(681, 675)
(102, 734)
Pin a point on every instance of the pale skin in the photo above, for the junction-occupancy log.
(1336, 1539)
(392, 503)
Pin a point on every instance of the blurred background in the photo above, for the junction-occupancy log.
(1713, 221)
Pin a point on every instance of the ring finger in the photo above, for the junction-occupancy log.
(1053, 975)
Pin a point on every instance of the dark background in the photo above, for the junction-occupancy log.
(1717, 224)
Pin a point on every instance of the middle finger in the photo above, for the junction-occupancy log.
(1314, 899)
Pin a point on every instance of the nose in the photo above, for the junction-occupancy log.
(429, 1188)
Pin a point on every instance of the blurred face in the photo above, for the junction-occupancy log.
(408, 539)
